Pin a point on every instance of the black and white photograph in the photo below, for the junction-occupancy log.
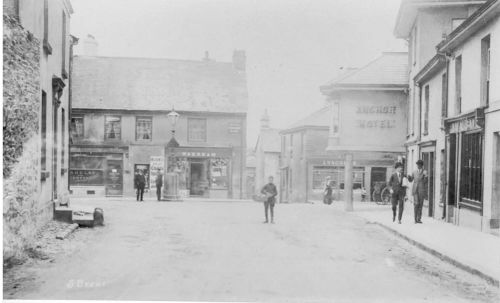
(251, 150)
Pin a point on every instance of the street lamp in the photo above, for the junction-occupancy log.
(171, 190)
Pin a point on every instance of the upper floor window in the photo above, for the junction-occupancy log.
(197, 129)
(46, 45)
(485, 70)
(64, 73)
(77, 126)
(426, 113)
(444, 95)
(113, 128)
(458, 85)
(335, 119)
(144, 128)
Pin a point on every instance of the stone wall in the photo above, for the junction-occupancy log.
(22, 214)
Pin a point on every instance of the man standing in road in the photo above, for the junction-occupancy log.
(270, 191)
(419, 190)
(159, 184)
(140, 184)
(398, 192)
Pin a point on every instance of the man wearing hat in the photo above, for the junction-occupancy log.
(419, 190)
(397, 191)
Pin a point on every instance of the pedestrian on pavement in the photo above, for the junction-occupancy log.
(328, 192)
(397, 192)
(419, 189)
(270, 191)
(159, 184)
(140, 184)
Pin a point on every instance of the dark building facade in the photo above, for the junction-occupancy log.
(120, 125)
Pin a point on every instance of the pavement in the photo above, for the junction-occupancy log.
(474, 251)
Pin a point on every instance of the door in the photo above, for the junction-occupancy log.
(378, 179)
(198, 178)
(452, 170)
(54, 155)
(428, 158)
(114, 178)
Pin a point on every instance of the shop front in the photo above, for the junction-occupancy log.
(96, 173)
(465, 153)
(371, 172)
(203, 172)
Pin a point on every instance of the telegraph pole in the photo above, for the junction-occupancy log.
(348, 182)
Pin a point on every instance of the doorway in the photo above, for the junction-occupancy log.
(198, 178)
(114, 178)
(495, 201)
(452, 169)
(428, 158)
(378, 179)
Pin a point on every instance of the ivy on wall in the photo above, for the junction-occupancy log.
(21, 90)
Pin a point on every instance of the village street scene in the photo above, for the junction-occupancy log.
(215, 151)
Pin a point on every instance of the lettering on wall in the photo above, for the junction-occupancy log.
(376, 110)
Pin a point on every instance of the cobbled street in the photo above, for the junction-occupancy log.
(205, 251)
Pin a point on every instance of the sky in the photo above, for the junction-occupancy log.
(292, 46)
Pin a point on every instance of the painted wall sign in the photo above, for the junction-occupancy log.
(391, 110)
(376, 123)
(86, 177)
(234, 128)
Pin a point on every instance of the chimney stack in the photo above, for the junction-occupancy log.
(90, 46)
(239, 60)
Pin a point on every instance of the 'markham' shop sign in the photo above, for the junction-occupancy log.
(203, 152)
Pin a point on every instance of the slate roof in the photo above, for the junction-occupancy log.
(270, 140)
(389, 71)
(157, 84)
(319, 118)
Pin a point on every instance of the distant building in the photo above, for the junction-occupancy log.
(36, 54)
(120, 124)
(305, 164)
(267, 153)
(250, 173)
(368, 120)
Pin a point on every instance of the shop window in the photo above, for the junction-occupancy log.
(197, 130)
(77, 126)
(112, 128)
(144, 128)
(471, 187)
(218, 174)
(485, 70)
(337, 176)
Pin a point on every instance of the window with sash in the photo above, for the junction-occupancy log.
(113, 128)
(144, 128)
(197, 130)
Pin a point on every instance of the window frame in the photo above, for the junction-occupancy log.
(136, 126)
(458, 84)
(426, 112)
(74, 133)
(105, 133)
(189, 129)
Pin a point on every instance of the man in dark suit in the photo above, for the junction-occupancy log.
(398, 192)
(271, 192)
(159, 184)
(140, 184)
(419, 190)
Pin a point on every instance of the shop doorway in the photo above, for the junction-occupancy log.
(428, 158)
(378, 179)
(114, 178)
(452, 170)
(495, 201)
(198, 178)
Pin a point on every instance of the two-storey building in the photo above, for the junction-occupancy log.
(305, 164)
(423, 24)
(472, 123)
(369, 119)
(120, 124)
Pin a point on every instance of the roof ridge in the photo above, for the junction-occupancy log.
(150, 58)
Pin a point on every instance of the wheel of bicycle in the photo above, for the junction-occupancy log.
(386, 196)
(376, 197)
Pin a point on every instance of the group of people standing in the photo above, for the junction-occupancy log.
(398, 184)
(140, 184)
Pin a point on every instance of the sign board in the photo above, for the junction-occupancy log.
(156, 163)
(234, 128)
(86, 177)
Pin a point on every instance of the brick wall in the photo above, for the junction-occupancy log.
(22, 212)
